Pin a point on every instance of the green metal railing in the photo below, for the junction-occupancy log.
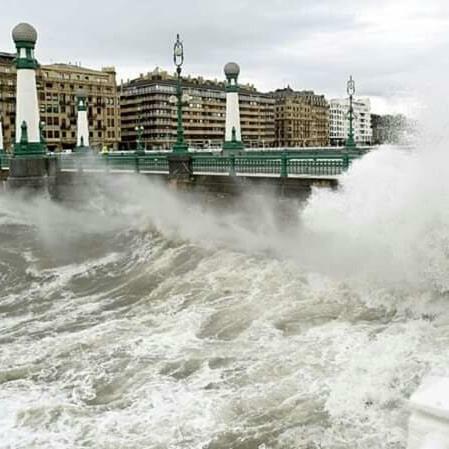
(211, 164)
(111, 162)
(282, 164)
(318, 167)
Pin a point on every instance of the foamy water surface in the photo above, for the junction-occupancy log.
(146, 321)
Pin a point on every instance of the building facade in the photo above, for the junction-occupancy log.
(339, 121)
(301, 118)
(8, 98)
(57, 85)
(148, 101)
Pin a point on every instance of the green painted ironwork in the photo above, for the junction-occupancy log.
(211, 164)
(350, 142)
(27, 60)
(178, 57)
(283, 164)
(153, 164)
(110, 162)
(232, 165)
(315, 167)
(140, 150)
(258, 165)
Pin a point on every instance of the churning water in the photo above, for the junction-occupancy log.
(143, 320)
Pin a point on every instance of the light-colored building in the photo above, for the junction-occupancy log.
(57, 85)
(339, 121)
(8, 98)
(145, 101)
(302, 118)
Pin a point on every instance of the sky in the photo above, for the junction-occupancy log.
(395, 49)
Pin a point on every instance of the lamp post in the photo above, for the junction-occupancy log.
(140, 148)
(178, 58)
(41, 132)
(350, 143)
(2, 150)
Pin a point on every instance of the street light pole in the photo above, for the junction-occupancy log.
(178, 58)
(350, 143)
(140, 148)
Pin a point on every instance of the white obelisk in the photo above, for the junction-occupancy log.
(233, 134)
(28, 139)
(1, 137)
(82, 129)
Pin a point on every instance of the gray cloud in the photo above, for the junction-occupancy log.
(389, 47)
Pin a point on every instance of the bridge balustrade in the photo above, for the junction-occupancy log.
(283, 164)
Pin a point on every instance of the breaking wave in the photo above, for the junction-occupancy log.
(144, 319)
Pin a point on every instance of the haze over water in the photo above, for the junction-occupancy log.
(145, 320)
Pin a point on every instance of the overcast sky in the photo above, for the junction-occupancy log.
(391, 47)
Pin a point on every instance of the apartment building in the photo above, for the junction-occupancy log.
(339, 121)
(147, 101)
(7, 97)
(301, 118)
(57, 85)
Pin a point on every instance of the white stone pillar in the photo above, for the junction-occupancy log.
(1, 137)
(28, 138)
(232, 117)
(82, 125)
(233, 133)
(27, 109)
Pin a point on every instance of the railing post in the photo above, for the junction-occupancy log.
(180, 166)
(232, 165)
(284, 160)
(79, 163)
(137, 164)
(345, 160)
(107, 162)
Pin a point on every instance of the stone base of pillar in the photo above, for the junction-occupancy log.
(232, 146)
(29, 149)
(35, 175)
(83, 150)
(180, 148)
(180, 166)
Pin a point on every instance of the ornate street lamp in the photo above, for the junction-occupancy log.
(178, 58)
(350, 143)
(2, 150)
(140, 148)
(41, 133)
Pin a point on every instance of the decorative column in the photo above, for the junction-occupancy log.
(180, 162)
(1, 137)
(82, 125)
(350, 143)
(233, 135)
(2, 150)
(30, 168)
(178, 58)
(140, 148)
(28, 139)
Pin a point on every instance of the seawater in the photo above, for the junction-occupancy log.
(142, 319)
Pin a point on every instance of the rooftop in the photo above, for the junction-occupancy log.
(76, 68)
(162, 77)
